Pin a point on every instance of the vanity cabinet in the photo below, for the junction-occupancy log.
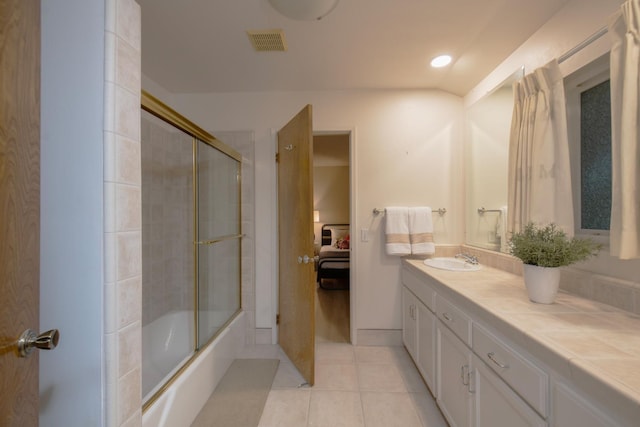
(455, 385)
(409, 322)
(492, 371)
(521, 375)
(419, 326)
(426, 360)
(496, 404)
(418, 335)
(474, 393)
(572, 410)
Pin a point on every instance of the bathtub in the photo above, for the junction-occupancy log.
(182, 401)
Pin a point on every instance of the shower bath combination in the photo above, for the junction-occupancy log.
(191, 244)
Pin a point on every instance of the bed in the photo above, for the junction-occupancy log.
(333, 261)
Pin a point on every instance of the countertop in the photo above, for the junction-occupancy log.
(594, 345)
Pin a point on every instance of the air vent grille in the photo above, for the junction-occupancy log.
(268, 40)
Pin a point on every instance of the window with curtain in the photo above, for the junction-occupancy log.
(589, 129)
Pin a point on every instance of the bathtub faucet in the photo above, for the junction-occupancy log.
(468, 258)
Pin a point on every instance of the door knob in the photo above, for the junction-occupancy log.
(30, 340)
(304, 259)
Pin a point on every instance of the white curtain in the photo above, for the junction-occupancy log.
(539, 188)
(625, 164)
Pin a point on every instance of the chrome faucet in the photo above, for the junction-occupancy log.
(468, 258)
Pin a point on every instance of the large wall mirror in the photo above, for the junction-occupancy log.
(486, 166)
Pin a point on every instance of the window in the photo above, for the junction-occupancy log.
(589, 128)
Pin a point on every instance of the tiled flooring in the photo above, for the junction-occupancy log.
(354, 387)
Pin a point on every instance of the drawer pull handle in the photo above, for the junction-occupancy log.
(491, 357)
(447, 317)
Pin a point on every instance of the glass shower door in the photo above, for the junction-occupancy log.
(219, 240)
(168, 322)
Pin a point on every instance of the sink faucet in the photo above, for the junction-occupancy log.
(468, 258)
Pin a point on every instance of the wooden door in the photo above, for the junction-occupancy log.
(19, 206)
(296, 297)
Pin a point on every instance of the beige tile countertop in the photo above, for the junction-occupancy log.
(595, 346)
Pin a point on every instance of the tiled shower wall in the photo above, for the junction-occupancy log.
(123, 225)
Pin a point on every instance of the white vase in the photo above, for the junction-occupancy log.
(542, 283)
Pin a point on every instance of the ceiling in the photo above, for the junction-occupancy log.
(200, 46)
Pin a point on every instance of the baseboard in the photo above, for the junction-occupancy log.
(263, 336)
(374, 337)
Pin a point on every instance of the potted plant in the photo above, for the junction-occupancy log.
(542, 250)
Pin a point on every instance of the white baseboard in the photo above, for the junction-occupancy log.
(263, 336)
(379, 337)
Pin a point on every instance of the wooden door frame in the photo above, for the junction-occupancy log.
(355, 242)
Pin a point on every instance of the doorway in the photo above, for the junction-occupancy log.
(332, 235)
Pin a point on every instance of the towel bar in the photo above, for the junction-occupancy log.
(378, 211)
(482, 211)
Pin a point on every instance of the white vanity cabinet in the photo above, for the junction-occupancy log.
(491, 371)
(427, 354)
(409, 322)
(470, 393)
(419, 326)
(496, 404)
(572, 410)
(455, 385)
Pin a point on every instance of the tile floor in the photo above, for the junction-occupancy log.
(355, 387)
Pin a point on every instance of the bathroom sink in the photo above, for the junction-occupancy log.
(451, 264)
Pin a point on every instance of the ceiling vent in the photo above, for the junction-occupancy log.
(268, 40)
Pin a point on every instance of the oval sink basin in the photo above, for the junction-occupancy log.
(451, 264)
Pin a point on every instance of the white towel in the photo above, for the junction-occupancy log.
(421, 231)
(502, 230)
(397, 231)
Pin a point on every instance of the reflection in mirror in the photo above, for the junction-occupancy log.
(486, 166)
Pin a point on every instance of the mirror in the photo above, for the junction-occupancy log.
(486, 166)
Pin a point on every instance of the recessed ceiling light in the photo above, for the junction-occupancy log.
(441, 61)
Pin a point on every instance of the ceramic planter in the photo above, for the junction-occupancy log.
(542, 283)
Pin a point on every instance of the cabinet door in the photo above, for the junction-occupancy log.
(454, 367)
(426, 332)
(496, 404)
(572, 410)
(409, 321)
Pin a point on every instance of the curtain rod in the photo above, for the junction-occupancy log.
(595, 36)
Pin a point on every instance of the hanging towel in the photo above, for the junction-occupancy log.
(421, 231)
(502, 230)
(397, 231)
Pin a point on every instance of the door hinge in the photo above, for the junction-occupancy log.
(277, 157)
(277, 319)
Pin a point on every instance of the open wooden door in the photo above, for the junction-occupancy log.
(296, 300)
(19, 206)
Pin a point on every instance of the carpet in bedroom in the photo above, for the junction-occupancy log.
(239, 398)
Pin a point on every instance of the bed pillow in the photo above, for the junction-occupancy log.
(343, 243)
(338, 233)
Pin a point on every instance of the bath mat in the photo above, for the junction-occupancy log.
(239, 398)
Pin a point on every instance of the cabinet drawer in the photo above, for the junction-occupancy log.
(526, 379)
(454, 318)
(420, 288)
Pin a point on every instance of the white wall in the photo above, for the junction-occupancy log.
(407, 152)
(330, 197)
(71, 272)
(573, 24)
